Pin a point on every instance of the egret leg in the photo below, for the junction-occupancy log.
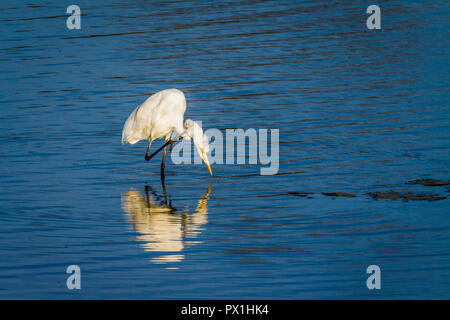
(164, 191)
(163, 163)
(148, 149)
(147, 197)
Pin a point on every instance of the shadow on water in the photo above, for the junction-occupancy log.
(159, 225)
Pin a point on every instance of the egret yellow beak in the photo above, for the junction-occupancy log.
(205, 158)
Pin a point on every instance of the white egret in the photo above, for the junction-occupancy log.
(160, 115)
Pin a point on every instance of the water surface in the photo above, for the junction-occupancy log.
(358, 111)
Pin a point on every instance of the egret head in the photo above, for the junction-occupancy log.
(201, 142)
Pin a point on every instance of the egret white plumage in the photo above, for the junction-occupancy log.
(160, 115)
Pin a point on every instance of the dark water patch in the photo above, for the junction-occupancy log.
(13, 138)
(430, 182)
(393, 195)
(31, 5)
(35, 58)
(16, 48)
(104, 35)
(117, 77)
(301, 194)
(36, 18)
(33, 107)
(339, 194)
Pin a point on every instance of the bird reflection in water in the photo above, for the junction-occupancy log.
(160, 228)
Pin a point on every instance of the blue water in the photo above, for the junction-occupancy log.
(358, 111)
